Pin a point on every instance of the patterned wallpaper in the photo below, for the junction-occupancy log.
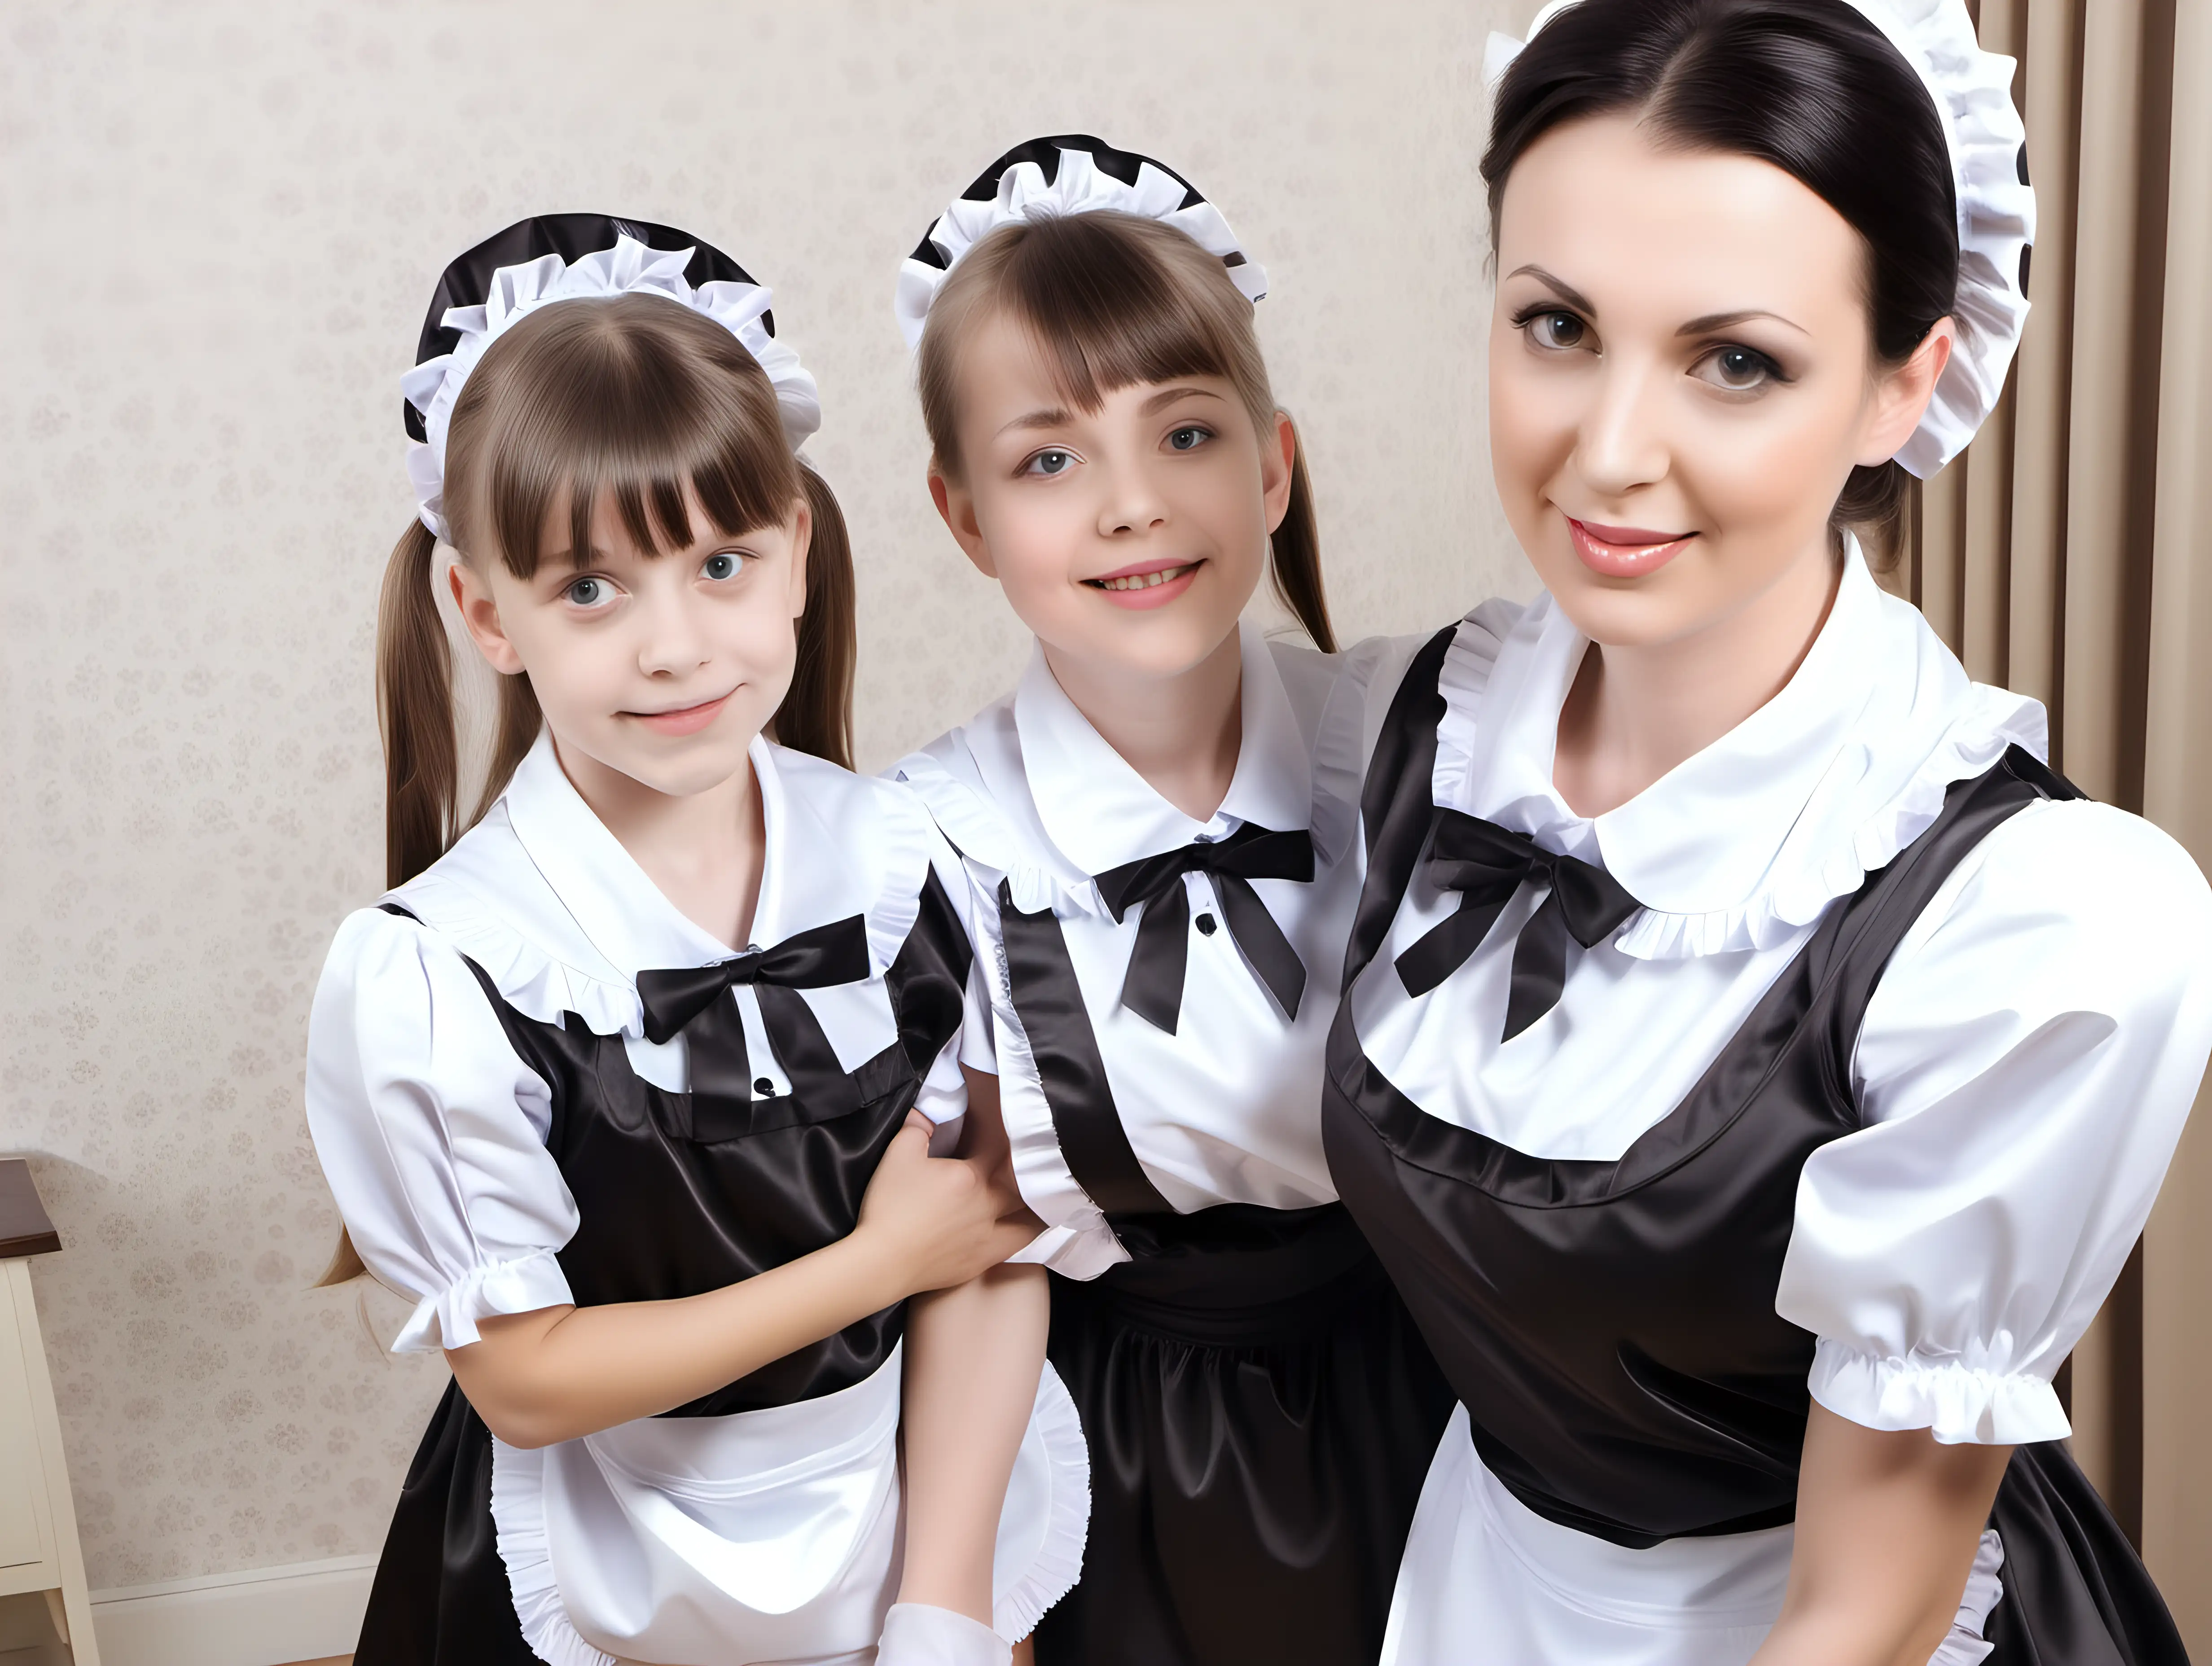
(221, 224)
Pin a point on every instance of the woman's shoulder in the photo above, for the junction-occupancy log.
(2067, 906)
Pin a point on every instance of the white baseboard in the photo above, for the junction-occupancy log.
(265, 1616)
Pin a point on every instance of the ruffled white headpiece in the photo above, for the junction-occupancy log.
(1972, 90)
(1019, 186)
(628, 267)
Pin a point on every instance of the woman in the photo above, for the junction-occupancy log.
(1756, 1064)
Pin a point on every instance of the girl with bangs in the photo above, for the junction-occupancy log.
(1160, 826)
(633, 1086)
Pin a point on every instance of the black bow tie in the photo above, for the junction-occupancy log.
(1153, 989)
(1486, 865)
(693, 1000)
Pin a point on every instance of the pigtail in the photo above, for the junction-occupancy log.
(817, 715)
(520, 720)
(415, 710)
(1295, 567)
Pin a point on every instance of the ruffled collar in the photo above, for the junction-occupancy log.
(1099, 812)
(1748, 841)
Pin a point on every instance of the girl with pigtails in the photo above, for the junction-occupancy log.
(1159, 826)
(1756, 1063)
(632, 1078)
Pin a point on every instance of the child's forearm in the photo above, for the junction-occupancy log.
(559, 1372)
(972, 1357)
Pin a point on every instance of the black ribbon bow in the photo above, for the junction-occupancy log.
(1486, 865)
(1153, 989)
(692, 999)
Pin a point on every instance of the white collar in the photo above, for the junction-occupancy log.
(626, 917)
(1749, 840)
(1099, 812)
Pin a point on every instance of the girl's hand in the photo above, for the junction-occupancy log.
(936, 1221)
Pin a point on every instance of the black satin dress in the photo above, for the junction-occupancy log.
(677, 1194)
(1260, 1408)
(1611, 1326)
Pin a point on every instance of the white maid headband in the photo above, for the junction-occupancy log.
(1046, 178)
(1973, 91)
(578, 257)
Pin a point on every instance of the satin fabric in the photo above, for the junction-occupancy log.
(691, 1001)
(1486, 864)
(1153, 988)
(1635, 1405)
(1260, 1411)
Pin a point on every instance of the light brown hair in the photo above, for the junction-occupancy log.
(1113, 300)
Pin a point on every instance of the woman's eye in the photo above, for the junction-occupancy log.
(1049, 462)
(1556, 330)
(721, 565)
(588, 592)
(1738, 369)
(1190, 438)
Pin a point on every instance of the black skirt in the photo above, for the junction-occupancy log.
(440, 1596)
(1261, 1413)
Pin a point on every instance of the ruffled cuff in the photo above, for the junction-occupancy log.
(448, 1318)
(1961, 1405)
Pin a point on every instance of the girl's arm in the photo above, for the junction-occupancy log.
(1887, 1524)
(973, 1358)
(559, 1372)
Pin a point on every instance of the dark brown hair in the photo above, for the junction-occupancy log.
(1113, 300)
(1811, 86)
(626, 401)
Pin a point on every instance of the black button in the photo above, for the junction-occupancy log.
(1206, 925)
(764, 1088)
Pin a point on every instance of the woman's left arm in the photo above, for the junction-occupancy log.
(1887, 1524)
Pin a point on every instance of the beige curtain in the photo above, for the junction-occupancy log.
(2069, 555)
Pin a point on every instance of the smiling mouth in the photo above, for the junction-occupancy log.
(1146, 580)
(683, 719)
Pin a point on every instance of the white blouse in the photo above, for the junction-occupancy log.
(2023, 1070)
(1226, 1109)
(761, 1535)
(432, 1129)
(2024, 1064)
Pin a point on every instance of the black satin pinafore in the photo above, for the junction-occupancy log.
(1260, 1408)
(677, 1194)
(1611, 1326)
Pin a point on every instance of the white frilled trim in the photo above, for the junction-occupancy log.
(1973, 93)
(1461, 681)
(980, 835)
(448, 1318)
(1058, 1564)
(1079, 186)
(528, 978)
(1801, 894)
(518, 1514)
(1966, 1644)
(1961, 1404)
(1341, 742)
(628, 268)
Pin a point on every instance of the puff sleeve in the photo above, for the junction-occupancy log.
(2023, 1071)
(431, 1132)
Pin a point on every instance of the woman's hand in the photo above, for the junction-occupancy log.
(932, 1222)
(1887, 1524)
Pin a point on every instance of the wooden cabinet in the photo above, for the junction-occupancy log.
(38, 1549)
